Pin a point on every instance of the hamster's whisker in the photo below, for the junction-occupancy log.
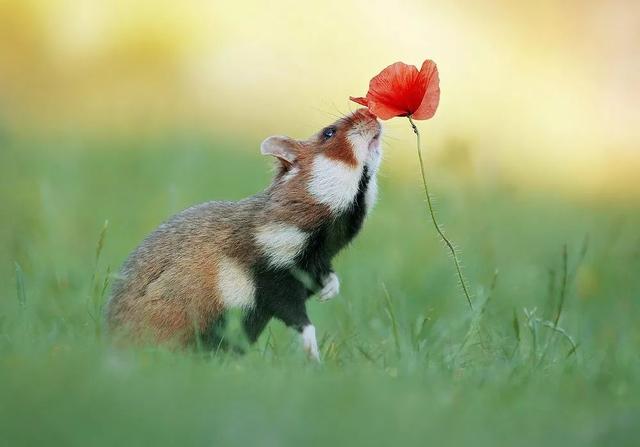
(326, 112)
(348, 118)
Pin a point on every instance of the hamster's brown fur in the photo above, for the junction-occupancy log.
(169, 288)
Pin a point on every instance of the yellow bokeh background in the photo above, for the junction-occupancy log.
(543, 94)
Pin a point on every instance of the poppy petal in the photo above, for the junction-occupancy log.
(428, 77)
(385, 111)
(394, 89)
(360, 100)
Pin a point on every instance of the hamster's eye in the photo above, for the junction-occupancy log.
(329, 132)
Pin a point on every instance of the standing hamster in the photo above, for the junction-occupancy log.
(266, 254)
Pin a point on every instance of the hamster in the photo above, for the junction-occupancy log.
(266, 254)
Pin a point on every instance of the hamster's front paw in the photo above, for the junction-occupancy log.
(330, 287)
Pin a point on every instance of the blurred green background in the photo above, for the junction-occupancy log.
(128, 112)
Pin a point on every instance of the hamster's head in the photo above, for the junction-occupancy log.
(332, 163)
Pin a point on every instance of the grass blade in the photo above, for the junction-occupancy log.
(392, 316)
(563, 285)
(20, 289)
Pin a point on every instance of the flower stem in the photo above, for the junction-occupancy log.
(433, 217)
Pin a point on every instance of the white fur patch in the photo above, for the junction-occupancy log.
(235, 284)
(374, 158)
(359, 145)
(280, 242)
(373, 163)
(371, 194)
(334, 183)
(309, 342)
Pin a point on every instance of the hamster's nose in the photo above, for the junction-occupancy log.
(366, 123)
(365, 117)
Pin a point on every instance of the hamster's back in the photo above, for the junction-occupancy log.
(169, 286)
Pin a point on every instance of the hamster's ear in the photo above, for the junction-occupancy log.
(281, 147)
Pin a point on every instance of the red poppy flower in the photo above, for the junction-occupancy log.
(402, 90)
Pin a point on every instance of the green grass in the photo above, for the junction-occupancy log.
(405, 360)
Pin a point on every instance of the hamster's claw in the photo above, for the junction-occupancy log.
(330, 287)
